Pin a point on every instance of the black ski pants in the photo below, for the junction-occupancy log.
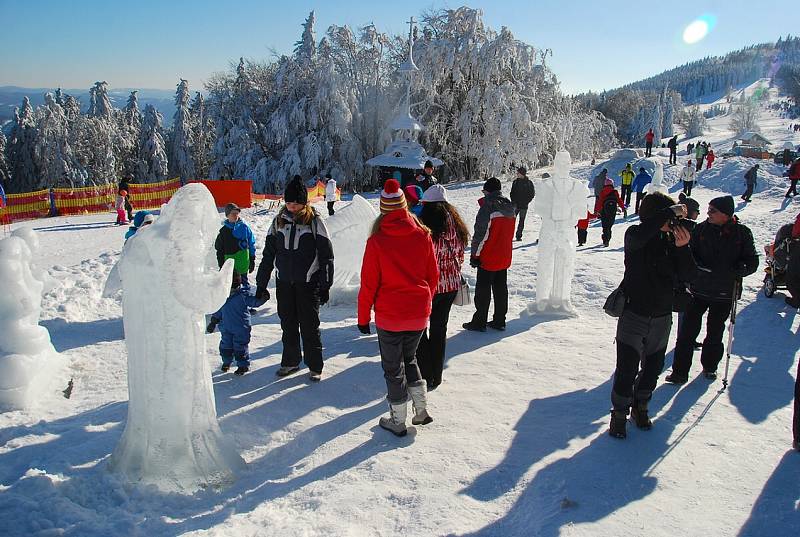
(687, 187)
(748, 193)
(673, 155)
(298, 309)
(582, 236)
(796, 420)
(490, 283)
(639, 196)
(713, 347)
(399, 362)
(641, 341)
(432, 344)
(648, 151)
(625, 194)
(792, 188)
(607, 223)
(522, 212)
(330, 208)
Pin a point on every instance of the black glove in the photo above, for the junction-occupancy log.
(262, 293)
(364, 328)
(474, 262)
(212, 325)
(324, 295)
(252, 264)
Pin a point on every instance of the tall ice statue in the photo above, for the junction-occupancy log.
(172, 439)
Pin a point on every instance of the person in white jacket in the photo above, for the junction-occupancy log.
(330, 193)
(688, 175)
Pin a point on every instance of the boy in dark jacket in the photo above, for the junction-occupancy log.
(725, 253)
(236, 241)
(522, 193)
(234, 320)
(656, 257)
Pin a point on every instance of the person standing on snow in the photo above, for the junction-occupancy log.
(699, 154)
(235, 326)
(522, 193)
(298, 247)
(673, 149)
(648, 140)
(427, 179)
(119, 206)
(399, 278)
(656, 255)
(236, 241)
(750, 178)
(725, 253)
(641, 180)
(606, 209)
(330, 193)
(599, 182)
(794, 176)
(710, 157)
(627, 176)
(688, 175)
(491, 255)
(450, 237)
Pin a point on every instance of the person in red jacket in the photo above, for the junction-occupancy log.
(710, 158)
(794, 176)
(648, 139)
(606, 209)
(399, 276)
(491, 255)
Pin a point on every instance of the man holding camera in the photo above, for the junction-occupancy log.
(725, 253)
(656, 256)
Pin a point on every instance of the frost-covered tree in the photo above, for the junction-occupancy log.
(130, 133)
(202, 134)
(72, 108)
(693, 122)
(668, 119)
(4, 173)
(22, 150)
(100, 104)
(131, 114)
(152, 160)
(180, 160)
(656, 121)
(745, 117)
(306, 48)
(58, 164)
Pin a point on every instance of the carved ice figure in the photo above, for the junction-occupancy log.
(172, 438)
(561, 201)
(349, 230)
(657, 184)
(29, 364)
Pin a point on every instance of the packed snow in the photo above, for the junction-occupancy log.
(519, 445)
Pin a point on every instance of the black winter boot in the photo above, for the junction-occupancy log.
(617, 427)
(640, 417)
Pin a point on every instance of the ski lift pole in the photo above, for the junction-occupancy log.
(731, 325)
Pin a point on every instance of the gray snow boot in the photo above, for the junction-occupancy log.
(396, 422)
(419, 401)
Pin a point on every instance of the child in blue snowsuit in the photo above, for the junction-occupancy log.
(234, 320)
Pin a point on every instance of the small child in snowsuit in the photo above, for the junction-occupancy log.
(234, 320)
(583, 228)
(119, 205)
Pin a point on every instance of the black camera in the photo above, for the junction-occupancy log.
(677, 221)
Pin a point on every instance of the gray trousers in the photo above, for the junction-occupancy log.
(640, 340)
(399, 362)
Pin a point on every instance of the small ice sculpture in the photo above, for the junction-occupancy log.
(657, 185)
(172, 438)
(29, 365)
(561, 201)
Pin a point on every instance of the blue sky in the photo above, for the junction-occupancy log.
(151, 44)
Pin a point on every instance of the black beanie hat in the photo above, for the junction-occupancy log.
(428, 164)
(723, 204)
(296, 191)
(654, 203)
(492, 185)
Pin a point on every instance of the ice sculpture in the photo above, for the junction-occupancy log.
(172, 438)
(29, 365)
(349, 230)
(561, 201)
(31, 238)
(657, 185)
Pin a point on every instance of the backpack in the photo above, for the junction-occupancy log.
(609, 206)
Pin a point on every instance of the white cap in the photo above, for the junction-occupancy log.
(435, 193)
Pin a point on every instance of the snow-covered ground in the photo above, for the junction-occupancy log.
(519, 444)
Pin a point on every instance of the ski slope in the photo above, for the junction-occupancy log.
(519, 444)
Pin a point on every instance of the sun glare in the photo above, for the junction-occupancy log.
(695, 32)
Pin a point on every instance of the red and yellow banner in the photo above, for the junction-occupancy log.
(91, 199)
(26, 205)
(152, 195)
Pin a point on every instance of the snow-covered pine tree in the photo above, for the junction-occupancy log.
(180, 159)
(152, 160)
(667, 127)
(21, 151)
(100, 104)
(693, 122)
(656, 121)
(57, 163)
(202, 134)
(306, 49)
(745, 117)
(5, 176)
(130, 134)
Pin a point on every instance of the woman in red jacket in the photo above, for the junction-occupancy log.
(399, 277)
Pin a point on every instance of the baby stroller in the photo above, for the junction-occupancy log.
(777, 255)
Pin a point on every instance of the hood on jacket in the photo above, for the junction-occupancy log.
(399, 223)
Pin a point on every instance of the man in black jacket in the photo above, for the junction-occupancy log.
(725, 253)
(522, 193)
(656, 257)
(673, 149)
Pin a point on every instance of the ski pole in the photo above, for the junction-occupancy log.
(731, 325)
